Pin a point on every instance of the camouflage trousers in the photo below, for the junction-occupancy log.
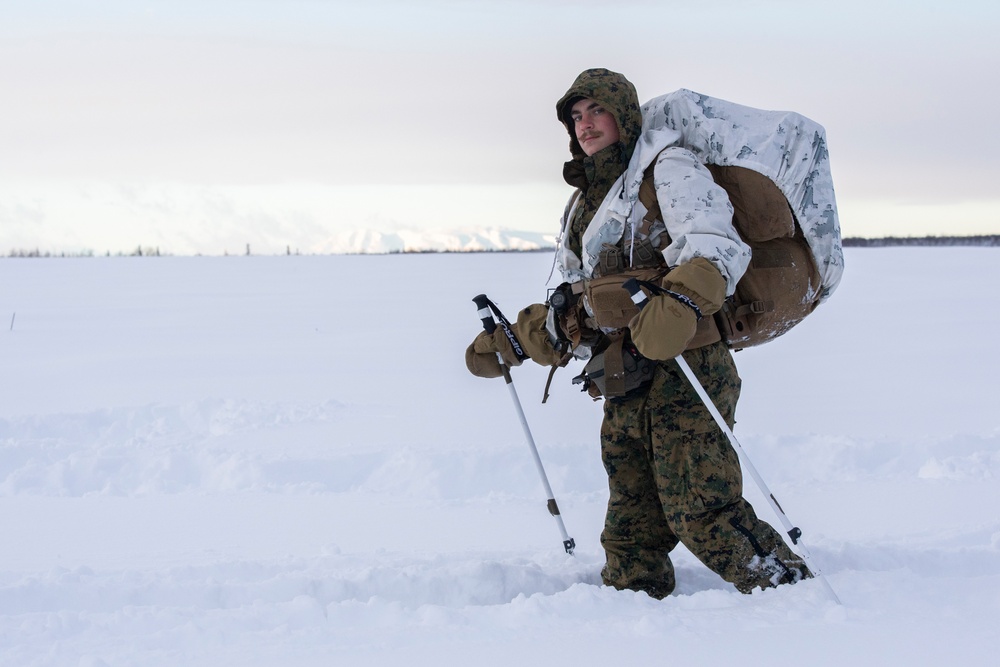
(675, 478)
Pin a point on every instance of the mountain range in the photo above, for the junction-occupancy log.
(368, 241)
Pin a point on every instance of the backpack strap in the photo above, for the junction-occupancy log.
(647, 197)
(573, 320)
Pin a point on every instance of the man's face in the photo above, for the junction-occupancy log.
(595, 128)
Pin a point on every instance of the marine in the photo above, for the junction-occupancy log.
(673, 476)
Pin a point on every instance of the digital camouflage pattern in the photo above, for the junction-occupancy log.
(595, 175)
(674, 477)
(613, 92)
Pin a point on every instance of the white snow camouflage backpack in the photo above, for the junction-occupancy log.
(775, 167)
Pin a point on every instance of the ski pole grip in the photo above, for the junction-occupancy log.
(483, 304)
(638, 296)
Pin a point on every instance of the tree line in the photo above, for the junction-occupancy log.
(988, 240)
(887, 241)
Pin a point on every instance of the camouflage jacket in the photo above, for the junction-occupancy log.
(696, 213)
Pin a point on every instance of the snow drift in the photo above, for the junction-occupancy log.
(282, 461)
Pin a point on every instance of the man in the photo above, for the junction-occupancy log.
(674, 477)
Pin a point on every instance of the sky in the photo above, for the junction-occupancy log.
(207, 126)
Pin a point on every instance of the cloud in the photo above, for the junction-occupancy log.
(368, 99)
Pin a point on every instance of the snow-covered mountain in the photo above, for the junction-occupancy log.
(369, 241)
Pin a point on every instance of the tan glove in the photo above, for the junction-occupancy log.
(530, 330)
(701, 282)
(665, 327)
(481, 356)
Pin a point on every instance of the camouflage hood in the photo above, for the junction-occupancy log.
(613, 92)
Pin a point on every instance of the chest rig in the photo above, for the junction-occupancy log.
(598, 310)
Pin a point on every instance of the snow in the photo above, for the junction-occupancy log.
(283, 461)
(401, 239)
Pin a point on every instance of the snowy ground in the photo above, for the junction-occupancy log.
(282, 461)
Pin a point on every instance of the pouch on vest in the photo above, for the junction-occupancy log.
(610, 303)
(613, 308)
(617, 369)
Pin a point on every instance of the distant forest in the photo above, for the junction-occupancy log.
(991, 240)
(887, 241)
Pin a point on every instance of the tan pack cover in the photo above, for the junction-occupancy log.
(782, 283)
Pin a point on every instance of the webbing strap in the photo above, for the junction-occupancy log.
(552, 371)
(570, 320)
(647, 196)
(508, 330)
(614, 365)
(754, 308)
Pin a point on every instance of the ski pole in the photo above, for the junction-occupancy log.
(490, 325)
(640, 300)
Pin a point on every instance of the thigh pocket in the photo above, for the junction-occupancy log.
(702, 474)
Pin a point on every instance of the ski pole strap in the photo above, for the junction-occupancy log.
(487, 310)
(635, 286)
(639, 297)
